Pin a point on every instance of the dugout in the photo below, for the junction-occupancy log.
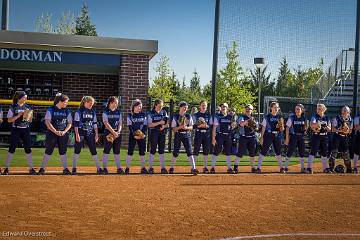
(43, 64)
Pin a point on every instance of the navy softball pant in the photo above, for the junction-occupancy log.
(273, 139)
(185, 139)
(246, 143)
(52, 140)
(18, 134)
(296, 141)
(319, 142)
(90, 141)
(157, 141)
(202, 138)
(115, 145)
(223, 144)
(132, 143)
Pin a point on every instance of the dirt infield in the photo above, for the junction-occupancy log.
(180, 206)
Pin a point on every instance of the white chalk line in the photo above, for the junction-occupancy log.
(295, 235)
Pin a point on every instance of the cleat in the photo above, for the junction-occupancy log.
(195, 172)
(0, 171)
(230, 171)
(205, 170)
(73, 171)
(253, 170)
(348, 170)
(309, 171)
(127, 170)
(32, 171)
(282, 170)
(236, 169)
(171, 171)
(6, 171)
(212, 170)
(303, 170)
(120, 171)
(164, 171)
(105, 171)
(286, 170)
(151, 170)
(66, 172)
(41, 171)
(258, 171)
(144, 171)
(327, 171)
(355, 171)
(99, 171)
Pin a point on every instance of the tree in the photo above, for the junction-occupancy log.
(83, 23)
(66, 23)
(233, 83)
(164, 85)
(267, 86)
(43, 23)
(284, 79)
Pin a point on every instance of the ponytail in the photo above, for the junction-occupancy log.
(59, 97)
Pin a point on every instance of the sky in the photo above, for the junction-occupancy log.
(304, 30)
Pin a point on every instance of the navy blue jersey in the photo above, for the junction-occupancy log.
(206, 116)
(85, 119)
(154, 117)
(188, 122)
(324, 121)
(114, 118)
(357, 121)
(245, 131)
(296, 124)
(137, 121)
(270, 122)
(339, 121)
(223, 123)
(14, 110)
(59, 118)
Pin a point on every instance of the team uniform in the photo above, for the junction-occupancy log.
(356, 146)
(20, 129)
(157, 138)
(247, 141)
(297, 129)
(59, 119)
(86, 122)
(272, 136)
(202, 137)
(319, 141)
(1, 117)
(340, 143)
(136, 121)
(223, 140)
(184, 137)
(114, 119)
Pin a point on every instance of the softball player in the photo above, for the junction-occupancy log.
(271, 134)
(202, 122)
(221, 137)
(58, 121)
(112, 119)
(182, 125)
(296, 126)
(86, 129)
(157, 124)
(341, 138)
(20, 130)
(356, 145)
(320, 125)
(247, 139)
(137, 123)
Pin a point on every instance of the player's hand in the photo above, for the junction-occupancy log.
(213, 141)
(115, 134)
(261, 141)
(286, 142)
(162, 122)
(96, 137)
(77, 137)
(162, 127)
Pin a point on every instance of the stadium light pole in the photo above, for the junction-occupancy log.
(259, 63)
(5, 15)
(356, 60)
(215, 58)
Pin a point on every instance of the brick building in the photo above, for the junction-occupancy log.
(42, 64)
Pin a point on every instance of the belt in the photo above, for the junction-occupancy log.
(224, 133)
(341, 135)
(298, 134)
(202, 130)
(274, 132)
(249, 136)
(321, 134)
(184, 132)
(20, 127)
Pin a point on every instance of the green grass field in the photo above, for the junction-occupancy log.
(86, 160)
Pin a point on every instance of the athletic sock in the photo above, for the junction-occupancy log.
(252, 162)
(45, 160)
(213, 161)
(162, 160)
(128, 161)
(142, 161)
(74, 160)
(287, 162)
(356, 159)
(105, 159)
(64, 161)
(29, 160)
(151, 160)
(173, 161)
(237, 161)
(310, 161)
(228, 161)
(117, 160)
(192, 162)
(8, 159)
(279, 160)
(302, 163)
(260, 160)
(206, 160)
(96, 159)
(324, 162)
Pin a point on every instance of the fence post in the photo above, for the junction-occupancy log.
(171, 115)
